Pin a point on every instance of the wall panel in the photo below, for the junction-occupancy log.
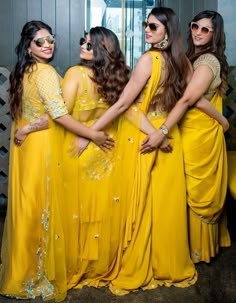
(34, 10)
(66, 17)
(6, 41)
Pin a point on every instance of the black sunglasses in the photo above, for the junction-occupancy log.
(88, 44)
(40, 41)
(153, 26)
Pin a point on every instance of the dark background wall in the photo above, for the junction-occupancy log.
(67, 19)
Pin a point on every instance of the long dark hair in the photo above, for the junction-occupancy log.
(24, 62)
(110, 72)
(177, 64)
(215, 46)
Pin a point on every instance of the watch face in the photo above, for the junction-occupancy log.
(164, 130)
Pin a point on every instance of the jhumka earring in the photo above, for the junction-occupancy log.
(163, 43)
(29, 53)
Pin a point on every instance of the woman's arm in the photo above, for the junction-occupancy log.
(37, 125)
(49, 88)
(206, 106)
(67, 121)
(196, 88)
(138, 80)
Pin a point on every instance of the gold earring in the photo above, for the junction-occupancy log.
(164, 42)
(30, 53)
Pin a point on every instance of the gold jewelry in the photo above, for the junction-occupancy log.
(163, 43)
(164, 129)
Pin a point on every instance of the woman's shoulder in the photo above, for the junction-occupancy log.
(77, 69)
(149, 57)
(152, 54)
(210, 60)
(207, 58)
(43, 67)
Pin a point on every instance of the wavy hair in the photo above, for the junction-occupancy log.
(177, 64)
(215, 46)
(110, 71)
(24, 63)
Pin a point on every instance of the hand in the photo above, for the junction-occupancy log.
(108, 144)
(99, 137)
(77, 146)
(225, 124)
(166, 147)
(20, 135)
(152, 142)
(82, 144)
(103, 140)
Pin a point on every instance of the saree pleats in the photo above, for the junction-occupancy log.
(154, 247)
(206, 176)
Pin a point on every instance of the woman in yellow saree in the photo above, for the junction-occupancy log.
(150, 188)
(203, 137)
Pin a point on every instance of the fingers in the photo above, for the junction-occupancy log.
(110, 141)
(108, 144)
(147, 149)
(166, 149)
(145, 140)
(17, 141)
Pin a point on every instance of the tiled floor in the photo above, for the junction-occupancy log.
(216, 282)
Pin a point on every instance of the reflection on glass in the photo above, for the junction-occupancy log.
(124, 18)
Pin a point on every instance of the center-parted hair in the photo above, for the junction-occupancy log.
(110, 71)
(215, 46)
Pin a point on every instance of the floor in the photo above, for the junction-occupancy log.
(216, 282)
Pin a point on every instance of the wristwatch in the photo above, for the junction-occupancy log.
(164, 130)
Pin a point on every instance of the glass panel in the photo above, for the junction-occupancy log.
(124, 18)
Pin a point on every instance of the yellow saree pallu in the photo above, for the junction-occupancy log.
(152, 193)
(206, 176)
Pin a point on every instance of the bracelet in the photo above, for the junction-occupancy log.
(164, 129)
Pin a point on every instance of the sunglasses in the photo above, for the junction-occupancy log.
(203, 29)
(153, 26)
(40, 41)
(88, 44)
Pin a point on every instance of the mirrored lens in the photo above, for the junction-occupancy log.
(40, 41)
(88, 44)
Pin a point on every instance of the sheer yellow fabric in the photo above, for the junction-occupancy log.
(206, 175)
(151, 189)
(33, 254)
(90, 210)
